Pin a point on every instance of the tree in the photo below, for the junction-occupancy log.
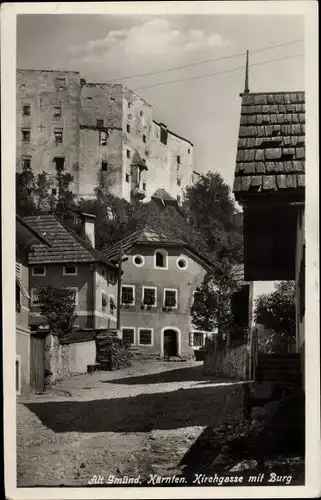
(276, 311)
(59, 308)
(25, 189)
(210, 209)
(212, 308)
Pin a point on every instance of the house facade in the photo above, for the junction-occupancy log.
(73, 262)
(26, 236)
(270, 185)
(160, 277)
(99, 133)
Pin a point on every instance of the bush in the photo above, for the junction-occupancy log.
(113, 354)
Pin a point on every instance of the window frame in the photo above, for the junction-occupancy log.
(42, 274)
(27, 131)
(133, 328)
(19, 298)
(143, 260)
(100, 123)
(176, 297)
(128, 128)
(58, 133)
(69, 274)
(102, 294)
(24, 107)
(144, 138)
(182, 257)
(128, 154)
(165, 255)
(103, 164)
(151, 338)
(32, 298)
(103, 142)
(56, 114)
(192, 336)
(144, 287)
(121, 296)
(25, 159)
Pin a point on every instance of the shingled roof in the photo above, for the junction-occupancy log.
(271, 145)
(163, 195)
(150, 237)
(66, 246)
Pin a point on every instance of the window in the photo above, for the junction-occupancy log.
(74, 291)
(18, 375)
(128, 128)
(104, 166)
(178, 181)
(149, 296)
(57, 112)
(144, 186)
(163, 135)
(60, 162)
(89, 99)
(26, 110)
(189, 151)
(112, 305)
(58, 136)
(181, 263)
(144, 138)
(170, 298)
(26, 162)
(160, 259)
(197, 298)
(196, 339)
(18, 297)
(141, 113)
(54, 192)
(178, 159)
(39, 271)
(104, 302)
(70, 270)
(99, 123)
(138, 260)
(61, 80)
(25, 135)
(128, 153)
(127, 295)
(129, 104)
(103, 138)
(128, 335)
(145, 336)
(34, 297)
(127, 177)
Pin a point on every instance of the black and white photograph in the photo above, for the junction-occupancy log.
(160, 185)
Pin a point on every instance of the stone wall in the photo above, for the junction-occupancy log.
(63, 360)
(230, 362)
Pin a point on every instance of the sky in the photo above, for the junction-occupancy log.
(108, 48)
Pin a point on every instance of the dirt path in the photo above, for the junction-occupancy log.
(142, 420)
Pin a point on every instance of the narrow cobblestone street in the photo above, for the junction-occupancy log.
(141, 420)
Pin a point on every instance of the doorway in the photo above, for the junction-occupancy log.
(170, 343)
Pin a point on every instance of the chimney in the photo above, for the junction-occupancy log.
(88, 227)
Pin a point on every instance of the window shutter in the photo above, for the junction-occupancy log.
(18, 270)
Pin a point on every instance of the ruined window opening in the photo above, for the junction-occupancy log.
(104, 166)
(26, 110)
(60, 163)
(103, 138)
(128, 153)
(144, 138)
(58, 136)
(57, 112)
(26, 135)
(99, 123)
(26, 162)
(163, 135)
(128, 128)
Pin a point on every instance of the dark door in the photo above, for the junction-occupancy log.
(170, 343)
(37, 363)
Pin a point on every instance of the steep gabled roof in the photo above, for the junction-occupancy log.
(150, 237)
(271, 144)
(66, 245)
(163, 195)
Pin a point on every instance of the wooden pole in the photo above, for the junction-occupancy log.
(119, 284)
(250, 331)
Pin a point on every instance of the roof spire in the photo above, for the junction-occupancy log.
(246, 86)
